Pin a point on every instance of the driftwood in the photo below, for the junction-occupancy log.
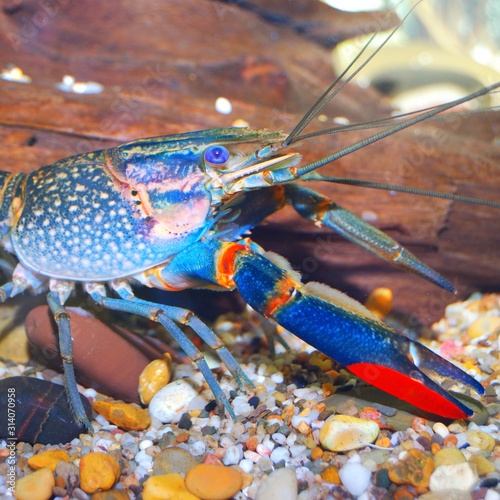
(163, 64)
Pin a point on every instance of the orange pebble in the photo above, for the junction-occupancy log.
(450, 440)
(379, 302)
(316, 453)
(384, 442)
(435, 447)
(418, 424)
(252, 443)
(328, 388)
(403, 493)
(331, 475)
(182, 438)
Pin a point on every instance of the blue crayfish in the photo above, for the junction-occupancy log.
(170, 212)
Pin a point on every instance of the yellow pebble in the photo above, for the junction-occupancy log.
(35, 486)
(49, 459)
(435, 447)
(316, 453)
(98, 471)
(481, 439)
(383, 442)
(379, 302)
(279, 396)
(213, 482)
(448, 456)
(166, 487)
(304, 427)
(483, 465)
(331, 475)
(154, 377)
(126, 416)
(483, 326)
(343, 433)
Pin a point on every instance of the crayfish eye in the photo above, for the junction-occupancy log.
(216, 155)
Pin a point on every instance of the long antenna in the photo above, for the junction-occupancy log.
(331, 91)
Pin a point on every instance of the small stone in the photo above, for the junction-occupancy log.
(415, 469)
(49, 459)
(379, 302)
(483, 465)
(383, 442)
(154, 377)
(331, 475)
(280, 484)
(67, 475)
(447, 495)
(208, 430)
(126, 416)
(280, 453)
(441, 429)
(450, 440)
(316, 453)
(483, 325)
(166, 487)
(169, 402)
(110, 495)
(456, 476)
(98, 471)
(448, 456)
(213, 482)
(481, 440)
(355, 477)
(185, 422)
(174, 460)
(210, 458)
(252, 443)
(343, 433)
(382, 479)
(35, 486)
(254, 401)
(233, 455)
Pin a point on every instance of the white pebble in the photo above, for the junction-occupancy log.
(252, 455)
(233, 455)
(441, 429)
(268, 443)
(145, 444)
(281, 483)
(246, 465)
(355, 478)
(492, 495)
(223, 105)
(226, 441)
(280, 453)
(297, 449)
(144, 460)
(279, 438)
(456, 476)
(277, 377)
(169, 403)
(198, 448)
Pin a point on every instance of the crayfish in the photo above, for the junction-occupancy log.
(171, 212)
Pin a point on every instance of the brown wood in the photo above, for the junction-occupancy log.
(163, 63)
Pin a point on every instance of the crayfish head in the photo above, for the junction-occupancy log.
(241, 159)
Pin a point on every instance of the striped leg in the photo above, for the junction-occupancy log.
(328, 320)
(165, 316)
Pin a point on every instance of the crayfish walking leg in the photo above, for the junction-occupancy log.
(166, 316)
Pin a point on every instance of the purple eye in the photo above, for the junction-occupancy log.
(217, 155)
